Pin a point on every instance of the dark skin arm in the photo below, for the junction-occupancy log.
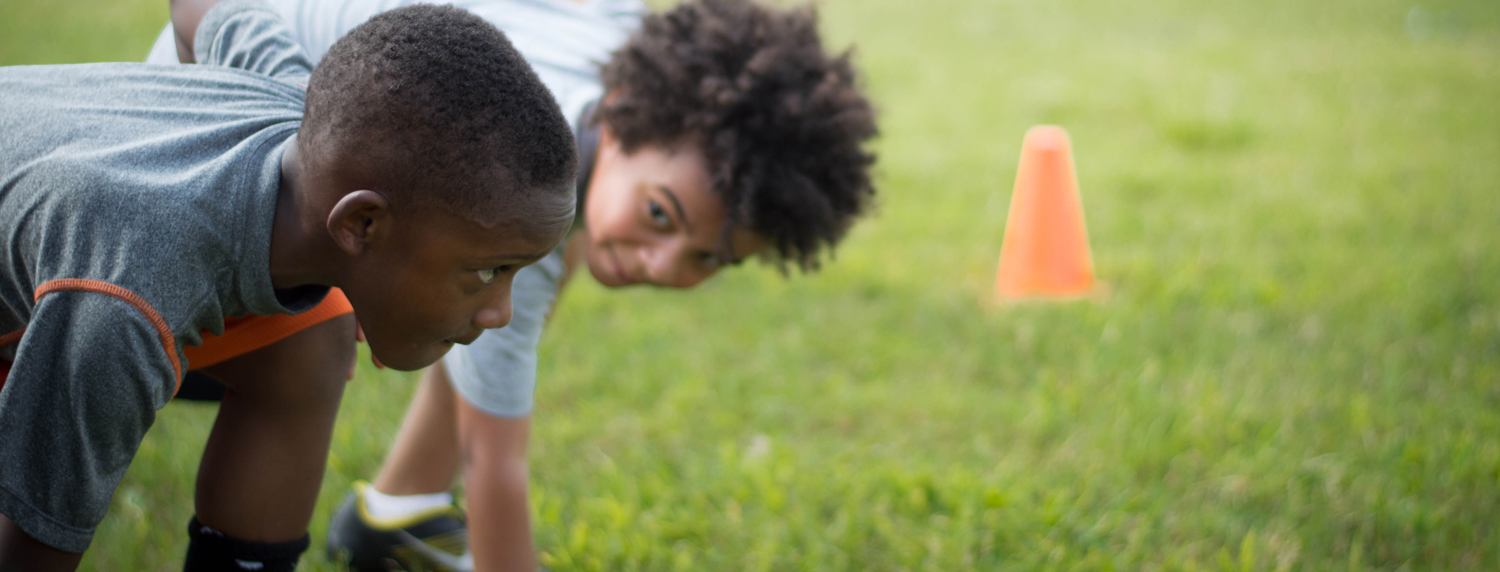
(261, 468)
(186, 15)
(19, 552)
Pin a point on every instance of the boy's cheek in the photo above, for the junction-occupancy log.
(408, 326)
(413, 341)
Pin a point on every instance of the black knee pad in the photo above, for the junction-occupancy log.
(212, 551)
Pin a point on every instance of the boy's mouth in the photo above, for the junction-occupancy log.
(465, 339)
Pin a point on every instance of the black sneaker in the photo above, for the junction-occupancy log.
(433, 540)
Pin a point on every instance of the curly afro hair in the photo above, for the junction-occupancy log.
(436, 108)
(782, 123)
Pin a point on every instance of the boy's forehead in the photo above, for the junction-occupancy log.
(530, 234)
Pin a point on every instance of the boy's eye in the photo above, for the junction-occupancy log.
(488, 275)
(708, 259)
(658, 214)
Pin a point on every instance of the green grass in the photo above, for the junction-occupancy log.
(1295, 206)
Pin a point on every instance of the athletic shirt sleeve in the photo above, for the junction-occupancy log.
(88, 377)
(248, 35)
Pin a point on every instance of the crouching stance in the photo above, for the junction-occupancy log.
(227, 217)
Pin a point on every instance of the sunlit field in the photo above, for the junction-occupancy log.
(1296, 365)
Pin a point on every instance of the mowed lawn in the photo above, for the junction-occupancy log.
(1295, 205)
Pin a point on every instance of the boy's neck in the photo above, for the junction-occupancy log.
(301, 250)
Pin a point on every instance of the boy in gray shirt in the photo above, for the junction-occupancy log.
(143, 206)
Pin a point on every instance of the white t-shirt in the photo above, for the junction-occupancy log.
(565, 42)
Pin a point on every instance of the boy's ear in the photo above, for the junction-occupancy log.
(359, 219)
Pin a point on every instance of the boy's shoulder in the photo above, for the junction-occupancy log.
(71, 105)
(139, 133)
(151, 178)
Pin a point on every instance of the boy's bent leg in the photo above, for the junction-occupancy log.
(20, 552)
(260, 473)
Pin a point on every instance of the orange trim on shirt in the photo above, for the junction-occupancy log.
(168, 341)
(6, 340)
(12, 337)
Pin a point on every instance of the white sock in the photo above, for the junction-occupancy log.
(384, 506)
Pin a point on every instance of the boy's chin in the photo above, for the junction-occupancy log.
(414, 359)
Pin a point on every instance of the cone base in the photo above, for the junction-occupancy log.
(1098, 291)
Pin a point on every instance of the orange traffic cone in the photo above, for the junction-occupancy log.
(1046, 249)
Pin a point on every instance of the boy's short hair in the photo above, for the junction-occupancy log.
(435, 106)
(781, 122)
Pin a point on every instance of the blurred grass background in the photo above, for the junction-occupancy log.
(1298, 366)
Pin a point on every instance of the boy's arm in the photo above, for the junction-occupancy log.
(247, 35)
(89, 374)
(186, 15)
(495, 483)
(315, 25)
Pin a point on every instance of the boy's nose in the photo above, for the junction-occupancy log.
(497, 313)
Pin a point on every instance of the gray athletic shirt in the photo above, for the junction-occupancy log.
(136, 203)
(565, 42)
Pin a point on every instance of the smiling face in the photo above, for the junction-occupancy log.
(653, 218)
(433, 279)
